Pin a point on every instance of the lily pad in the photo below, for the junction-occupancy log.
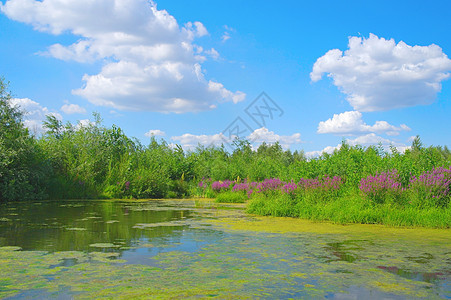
(104, 245)
(76, 229)
(160, 224)
(10, 248)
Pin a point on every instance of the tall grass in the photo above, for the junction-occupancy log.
(229, 197)
(350, 209)
(381, 200)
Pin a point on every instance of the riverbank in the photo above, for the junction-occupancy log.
(350, 210)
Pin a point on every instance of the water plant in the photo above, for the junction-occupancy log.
(230, 197)
(221, 185)
(382, 187)
(431, 189)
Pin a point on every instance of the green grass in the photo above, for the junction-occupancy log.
(350, 209)
(231, 197)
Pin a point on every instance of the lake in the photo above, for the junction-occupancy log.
(89, 249)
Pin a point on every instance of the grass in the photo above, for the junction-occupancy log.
(231, 197)
(350, 209)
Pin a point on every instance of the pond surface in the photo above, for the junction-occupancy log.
(194, 248)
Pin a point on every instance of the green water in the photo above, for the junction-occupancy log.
(192, 249)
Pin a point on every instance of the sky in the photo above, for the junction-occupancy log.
(305, 73)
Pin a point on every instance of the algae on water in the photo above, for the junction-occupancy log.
(211, 252)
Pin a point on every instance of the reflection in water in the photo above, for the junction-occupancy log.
(94, 249)
(342, 250)
(427, 277)
(75, 225)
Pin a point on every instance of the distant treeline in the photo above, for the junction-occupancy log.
(94, 161)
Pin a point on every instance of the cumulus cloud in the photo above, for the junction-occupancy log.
(367, 140)
(195, 29)
(378, 74)
(257, 137)
(191, 141)
(351, 122)
(213, 53)
(328, 150)
(264, 135)
(411, 138)
(155, 132)
(85, 123)
(151, 62)
(73, 109)
(34, 114)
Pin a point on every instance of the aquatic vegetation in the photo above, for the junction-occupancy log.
(382, 187)
(159, 224)
(241, 187)
(289, 188)
(432, 188)
(229, 254)
(383, 200)
(104, 245)
(76, 228)
(230, 197)
(325, 183)
(221, 185)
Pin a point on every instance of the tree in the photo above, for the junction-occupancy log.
(20, 166)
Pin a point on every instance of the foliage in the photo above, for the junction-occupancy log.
(383, 200)
(22, 168)
(431, 189)
(383, 187)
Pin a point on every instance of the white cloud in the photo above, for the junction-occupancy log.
(155, 132)
(195, 30)
(351, 122)
(257, 137)
(34, 114)
(151, 63)
(219, 88)
(227, 32)
(328, 149)
(191, 141)
(213, 53)
(373, 139)
(73, 109)
(411, 138)
(378, 74)
(264, 135)
(225, 37)
(85, 123)
(367, 140)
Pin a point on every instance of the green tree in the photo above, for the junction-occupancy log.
(22, 172)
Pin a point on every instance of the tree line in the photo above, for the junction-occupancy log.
(94, 161)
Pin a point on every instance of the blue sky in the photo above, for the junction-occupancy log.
(185, 71)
